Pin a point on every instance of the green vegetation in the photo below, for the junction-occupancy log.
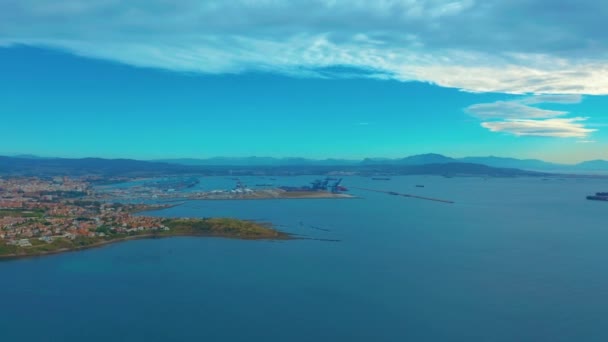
(85, 203)
(7, 249)
(44, 247)
(216, 227)
(225, 227)
(103, 229)
(21, 212)
(41, 247)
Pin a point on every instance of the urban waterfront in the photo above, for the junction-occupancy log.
(513, 259)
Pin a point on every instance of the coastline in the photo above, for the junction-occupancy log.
(280, 237)
(228, 228)
(249, 197)
(95, 222)
(277, 198)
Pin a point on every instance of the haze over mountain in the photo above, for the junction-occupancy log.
(188, 164)
(420, 159)
(415, 165)
(257, 161)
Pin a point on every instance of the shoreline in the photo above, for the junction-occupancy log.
(274, 198)
(281, 236)
(295, 196)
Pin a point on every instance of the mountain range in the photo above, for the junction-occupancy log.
(428, 165)
(417, 164)
(420, 159)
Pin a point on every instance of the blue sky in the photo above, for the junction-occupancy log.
(155, 79)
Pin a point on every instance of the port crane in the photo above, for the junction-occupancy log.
(323, 185)
(336, 187)
(320, 184)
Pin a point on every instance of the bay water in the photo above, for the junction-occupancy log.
(513, 259)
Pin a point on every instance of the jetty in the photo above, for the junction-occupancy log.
(394, 193)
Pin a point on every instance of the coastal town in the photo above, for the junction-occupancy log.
(45, 210)
(39, 215)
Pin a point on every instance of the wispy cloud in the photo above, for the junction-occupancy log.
(560, 51)
(510, 110)
(520, 118)
(562, 128)
(562, 98)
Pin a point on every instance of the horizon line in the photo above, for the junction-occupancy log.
(358, 160)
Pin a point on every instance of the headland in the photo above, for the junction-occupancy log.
(42, 216)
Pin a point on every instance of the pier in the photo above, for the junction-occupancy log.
(406, 195)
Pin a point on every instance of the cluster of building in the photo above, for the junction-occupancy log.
(29, 192)
(47, 209)
(34, 184)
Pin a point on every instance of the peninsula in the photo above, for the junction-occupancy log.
(46, 216)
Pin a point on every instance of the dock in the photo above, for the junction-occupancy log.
(406, 195)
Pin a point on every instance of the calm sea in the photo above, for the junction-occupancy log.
(512, 260)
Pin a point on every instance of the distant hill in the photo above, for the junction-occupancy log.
(257, 161)
(29, 156)
(420, 159)
(526, 164)
(430, 158)
(499, 162)
(600, 166)
(138, 168)
(593, 165)
(434, 164)
(513, 163)
(222, 161)
(450, 169)
(463, 169)
(64, 166)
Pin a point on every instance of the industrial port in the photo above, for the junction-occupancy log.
(329, 188)
(320, 188)
(171, 190)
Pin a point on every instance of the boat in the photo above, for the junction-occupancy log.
(380, 178)
(419, 186)
(598, 198)
(601, 193)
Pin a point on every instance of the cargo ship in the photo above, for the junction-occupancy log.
(381, 178)
(599, 196)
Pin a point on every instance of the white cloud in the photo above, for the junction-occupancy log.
(471, 45)
(561, 128)
(564, 99)
(510, 110)
(520, 118)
